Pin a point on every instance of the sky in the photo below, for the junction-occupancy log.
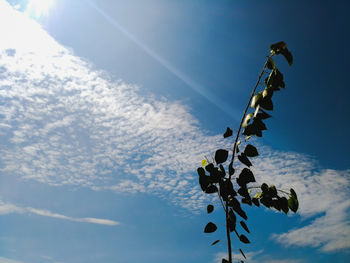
(107, 108)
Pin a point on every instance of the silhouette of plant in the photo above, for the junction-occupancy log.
(219, 181)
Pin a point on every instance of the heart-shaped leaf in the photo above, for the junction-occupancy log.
(251, 151)
(221, 156)
(210, 228)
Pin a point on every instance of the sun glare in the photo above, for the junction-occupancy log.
(38, 8)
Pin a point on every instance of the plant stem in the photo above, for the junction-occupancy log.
(245, 111)
(229, 249)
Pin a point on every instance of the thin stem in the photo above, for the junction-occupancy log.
(229, 249)
(246, 109)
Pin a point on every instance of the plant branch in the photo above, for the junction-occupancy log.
(246, 109)
(229, 249)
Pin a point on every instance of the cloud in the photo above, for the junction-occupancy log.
(7, 260)
(65, 123)
(322, 193)
(7, 208)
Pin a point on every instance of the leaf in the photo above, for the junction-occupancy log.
(244, 226)
(284, 204)
(242, 253)
(255, 201)
(266, 103)
(247, 119)
(243, 159)
(288, 56)
(221, 156)
(293, 204)
(256, 100)
(233, 202)
(228, 132)
(264, 187)
(215, 242)
(262, 115)
(278, 47)
(226, 189)
(246, 176)
(210, 228)
(270, 64)
(210, 208)
(272, 191)
(231, 170)
(224, 261)
(211, 189)
(251, 151)
(201, 171)
(293, 193)
(203, 182)
(244, 239)
(231, 220)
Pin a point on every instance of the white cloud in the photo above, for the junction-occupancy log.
(7, 208)
(7, 260)
(64, 123)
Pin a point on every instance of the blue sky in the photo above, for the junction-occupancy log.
(108, 107)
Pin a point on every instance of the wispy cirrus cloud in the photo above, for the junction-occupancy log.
(64, 123)
(8, 208)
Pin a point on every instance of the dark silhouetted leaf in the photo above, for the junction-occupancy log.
(247, 201)
(210, 208)
(288, 56)
(242, 253)
(284, 204)
(244, 226)
(293, 193)
(210, 228)
(251, 151)
(211, 189)
(224, 261)
(272, 191)
(204, 182)
(293, 204)
(215, 242)
(201, 171)
(231, 170)
(243, 191)
(246, 176)
(278, 47)
(209, 167)
(256, 202)
(236, 206)
(228, 132)
(244, 159)
(244, 239)
(266, 103)
(231, 220)
(262, 115)
(226, 189)
(270, 64)
(264, 188)
(221, 156)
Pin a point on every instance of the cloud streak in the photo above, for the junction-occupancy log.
(8, 208)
